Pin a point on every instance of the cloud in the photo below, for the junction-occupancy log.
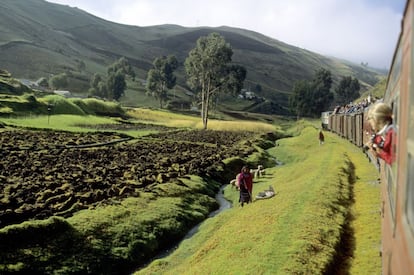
(356, 30)
(351, 30)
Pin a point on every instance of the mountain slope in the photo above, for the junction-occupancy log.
(39, 39)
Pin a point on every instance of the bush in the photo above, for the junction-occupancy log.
(61, 105)
(100, 107)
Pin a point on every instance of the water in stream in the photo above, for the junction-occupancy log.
(223, 205)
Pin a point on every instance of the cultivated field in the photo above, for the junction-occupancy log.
(49, 174)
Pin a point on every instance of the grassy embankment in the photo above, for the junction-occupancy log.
(299, 230)
(32, 105)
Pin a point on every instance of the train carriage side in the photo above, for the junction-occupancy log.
(359, 126)
(398, 179)
(348, 126)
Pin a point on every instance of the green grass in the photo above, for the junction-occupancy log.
(71, 123)
(99, 107)
(29, 104)
(58, 122)
(77, 123)
(138, 226)
(61, 105)
(377, 91)
(187, 121)
(109, 238)
(366, 225)
(297, 231)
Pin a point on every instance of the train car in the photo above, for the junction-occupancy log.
(325, 119)
(359, 124)
(397, 179)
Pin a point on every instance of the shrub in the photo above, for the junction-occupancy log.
(100, 107)
(61, 105)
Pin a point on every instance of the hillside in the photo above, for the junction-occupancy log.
(40, 39)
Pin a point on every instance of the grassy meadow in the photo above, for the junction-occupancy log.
(299, 230)
(194, 122)
(58, 122)
(79, 123)
(70, 114)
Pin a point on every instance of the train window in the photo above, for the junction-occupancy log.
(410, 163)
(410, 192)
(392, 191)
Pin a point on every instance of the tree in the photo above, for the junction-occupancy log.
(98, 86)
(299, 102)
(161, 77)
(59, 81)
(321, 95)
(233, 82)
(116, 85)
(113, 87)
(80, 64)
(310, 98)
(122, 65)
(43, 82)
(347, 89)
(96, 78)
(206, 68)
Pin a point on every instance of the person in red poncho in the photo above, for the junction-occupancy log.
(382, 144)
(245, 183)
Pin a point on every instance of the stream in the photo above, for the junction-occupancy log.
(223, 205)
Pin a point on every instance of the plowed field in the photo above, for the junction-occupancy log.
(45, 173)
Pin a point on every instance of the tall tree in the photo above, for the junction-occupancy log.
(347, 89)
(80, 64)
(122, 65)
(116, 84)
(161, 77)
(98, 86)
(299, 102)
(233, 82)
(113, 87)
(322, 96)
(206, 67)
(59, 81)
(310, 98)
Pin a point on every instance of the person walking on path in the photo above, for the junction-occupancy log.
(321, 137)
(245, 181)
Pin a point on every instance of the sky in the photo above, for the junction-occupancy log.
(355, 30)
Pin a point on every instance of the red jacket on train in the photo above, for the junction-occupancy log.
(385, 141)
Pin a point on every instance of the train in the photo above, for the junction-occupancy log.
(397, 179)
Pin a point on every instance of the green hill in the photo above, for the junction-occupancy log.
(41, 39)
